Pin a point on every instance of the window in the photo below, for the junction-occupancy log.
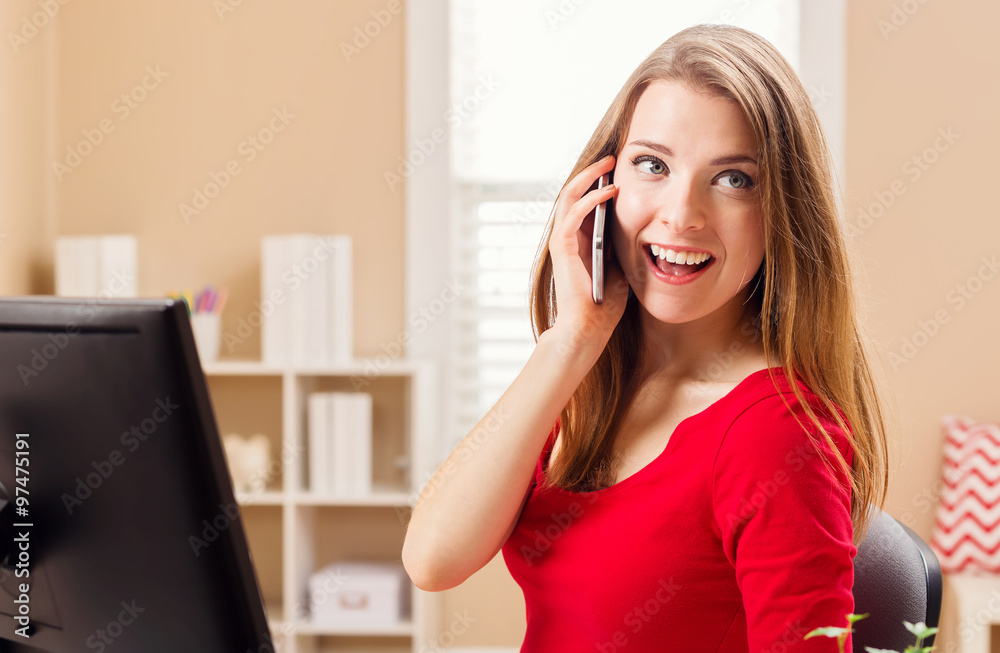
(518, 88)
(529, 82)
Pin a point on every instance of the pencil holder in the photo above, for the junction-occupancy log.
(207, 329)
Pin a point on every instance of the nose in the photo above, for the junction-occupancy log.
(683, 205)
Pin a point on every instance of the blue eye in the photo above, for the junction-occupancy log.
(738, 180)
(655, 167)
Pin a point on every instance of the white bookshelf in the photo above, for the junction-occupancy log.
(293, 532)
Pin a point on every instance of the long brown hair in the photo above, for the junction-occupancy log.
(804, 295)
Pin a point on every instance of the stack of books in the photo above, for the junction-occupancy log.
(306, 300)
(96, 266)
(340, 444)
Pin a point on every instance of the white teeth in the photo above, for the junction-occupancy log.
(683, 258)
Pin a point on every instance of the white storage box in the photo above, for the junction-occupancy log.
(360, 594)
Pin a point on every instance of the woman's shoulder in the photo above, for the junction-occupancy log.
(769, 411)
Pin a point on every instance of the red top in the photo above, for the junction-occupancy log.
(735, 538)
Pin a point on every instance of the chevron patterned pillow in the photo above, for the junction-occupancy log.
(967, 524)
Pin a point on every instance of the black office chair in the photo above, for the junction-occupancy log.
(897, 578)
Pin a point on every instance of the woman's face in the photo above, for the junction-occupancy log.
(687, 180)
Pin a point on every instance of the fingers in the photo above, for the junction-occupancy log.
(569, 222)
(575, 189)
(585, 206)
(579, 184)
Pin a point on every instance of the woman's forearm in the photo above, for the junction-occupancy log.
(466, 510)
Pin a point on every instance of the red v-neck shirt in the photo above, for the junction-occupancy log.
(734, 539)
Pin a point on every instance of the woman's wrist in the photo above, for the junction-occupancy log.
(573, 347)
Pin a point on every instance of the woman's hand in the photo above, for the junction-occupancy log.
(582, 322)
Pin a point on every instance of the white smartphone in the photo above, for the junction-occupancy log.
(597, 258)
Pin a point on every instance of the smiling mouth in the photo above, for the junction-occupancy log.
(675, 269)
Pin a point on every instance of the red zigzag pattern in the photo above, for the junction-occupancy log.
(967, 523)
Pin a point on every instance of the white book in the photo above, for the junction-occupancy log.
(77, 261)
(336, 477)
(317, 290)
(362, 444)
(67, 274)
(319, 439)
(340, 307)
(299, 292)
(314, 325)
(274, 302)
(116, 272)
(87, 254)
(342, 454)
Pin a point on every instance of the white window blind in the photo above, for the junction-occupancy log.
(530, 80)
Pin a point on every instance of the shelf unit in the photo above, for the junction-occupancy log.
(293, 532)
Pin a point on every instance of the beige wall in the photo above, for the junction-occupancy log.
(219, 82)
(24, 72)
(323, 173)
(938, 71)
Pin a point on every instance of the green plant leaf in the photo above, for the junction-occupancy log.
(920, 629)
(879, 650)
(827, 631)
(851, 618)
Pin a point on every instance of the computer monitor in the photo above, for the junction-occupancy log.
(119, 530)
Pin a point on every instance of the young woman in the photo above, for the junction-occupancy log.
(690, 464)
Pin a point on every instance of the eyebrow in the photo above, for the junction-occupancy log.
(720, 161)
